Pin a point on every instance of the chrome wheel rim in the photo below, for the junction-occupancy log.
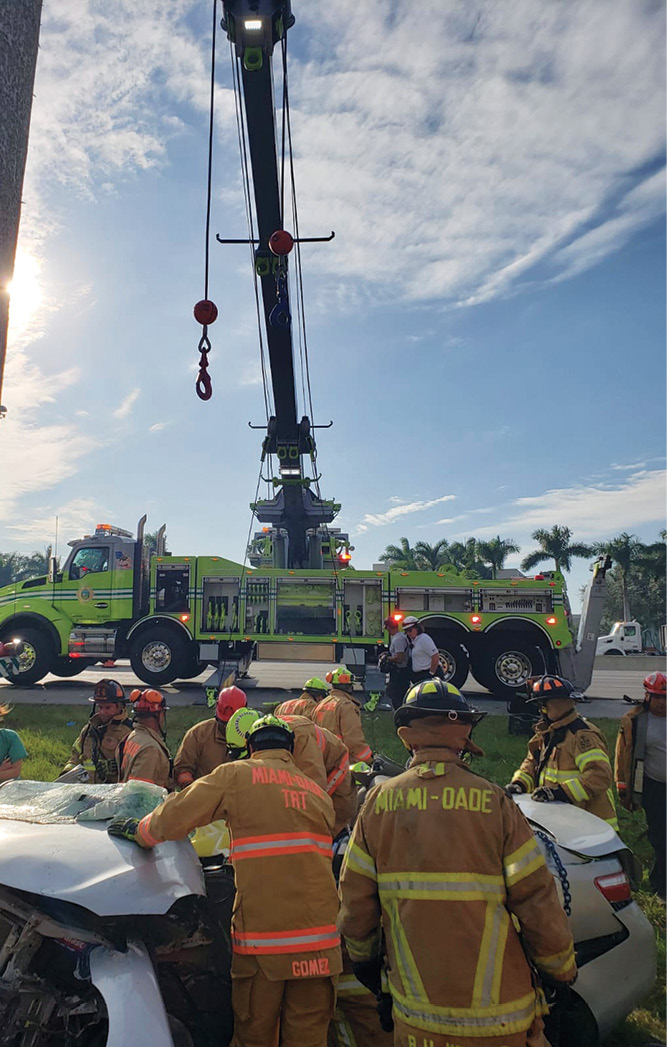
(156, 656)
(513, 668)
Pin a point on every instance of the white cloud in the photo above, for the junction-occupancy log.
(514, 145)
(381, 519)
(592, 512)
(77, 517)
(157, 427)
(125, 407)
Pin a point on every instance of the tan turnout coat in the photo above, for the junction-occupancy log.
(204, 747)
(143, 756)
(95, 748)
(281, 824)
(571, 752)
(442, 862)
(341, 715)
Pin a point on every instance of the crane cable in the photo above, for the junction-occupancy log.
(300, 297)
(306, 391)
(205, 308)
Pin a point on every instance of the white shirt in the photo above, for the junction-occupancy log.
(399, 645)
(423, 650)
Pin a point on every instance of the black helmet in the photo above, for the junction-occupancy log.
(545, 688)
(433, 697)
(108, 691)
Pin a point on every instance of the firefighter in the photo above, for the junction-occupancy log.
(314, 690)
(204, 746)
(143, 755)
(424, 655)
(108, 724)
(306, 753)
(397, 662)
(640, 767)
(340, 713)
(567, 756)
(356, 1022)
(335, 757)
(317, 753)
(286, 948)
(443, 869)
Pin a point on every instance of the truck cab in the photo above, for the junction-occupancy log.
(624, 638)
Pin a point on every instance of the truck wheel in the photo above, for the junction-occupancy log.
(454, 661)
(69, 666)
(158, 656)
(504, 668)
(192, 667)
(36, 659)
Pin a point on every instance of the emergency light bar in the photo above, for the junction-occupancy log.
(109, 529)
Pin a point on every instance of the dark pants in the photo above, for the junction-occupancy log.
(399, 682)
(653, 801)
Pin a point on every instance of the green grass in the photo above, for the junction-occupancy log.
(48, 732)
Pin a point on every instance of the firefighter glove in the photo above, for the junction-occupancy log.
(372, 703)
(369, 974)
(550, 794)
(124, 828)
(383, 662)
(514, 788)
(384, 1011)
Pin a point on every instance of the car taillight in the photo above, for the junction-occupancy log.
(614, 886)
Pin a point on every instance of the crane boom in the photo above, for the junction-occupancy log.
(255, 27)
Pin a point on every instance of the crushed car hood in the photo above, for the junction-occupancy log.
(572, 828)
(81, 863)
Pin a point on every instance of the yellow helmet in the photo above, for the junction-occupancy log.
(339, 676)
(269, 731)
(238, 725)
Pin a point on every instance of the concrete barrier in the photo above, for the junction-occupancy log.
(632, 662)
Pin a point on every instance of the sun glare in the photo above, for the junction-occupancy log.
(25, 294)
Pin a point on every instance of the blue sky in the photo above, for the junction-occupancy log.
(486, 330)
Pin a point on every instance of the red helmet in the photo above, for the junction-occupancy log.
(656, 683)
(230, 700)
(147, 703)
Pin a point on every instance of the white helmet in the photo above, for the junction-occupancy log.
(410, 620)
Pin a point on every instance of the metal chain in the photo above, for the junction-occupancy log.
(560, 869)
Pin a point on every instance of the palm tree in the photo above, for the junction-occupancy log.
(625, 551)
(431, 557)
(403, 556)
(496, 551)
(463, 556)
(555, 545)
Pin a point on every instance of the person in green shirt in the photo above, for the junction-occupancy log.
(12, 750)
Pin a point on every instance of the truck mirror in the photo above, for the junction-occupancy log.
(52, 572)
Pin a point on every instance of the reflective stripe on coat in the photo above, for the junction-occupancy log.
(442, 863)
(281, 826)
(572, 753)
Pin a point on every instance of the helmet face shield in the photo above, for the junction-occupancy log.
(238, 726)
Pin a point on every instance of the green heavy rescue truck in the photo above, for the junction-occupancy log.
(172, 616)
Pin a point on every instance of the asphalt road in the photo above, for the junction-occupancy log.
(273, 680)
